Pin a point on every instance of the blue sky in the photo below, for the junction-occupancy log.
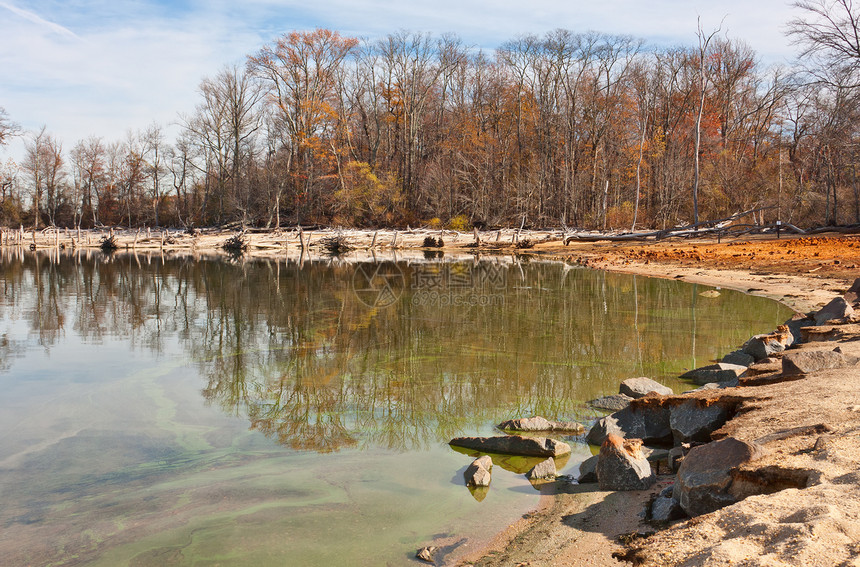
(102, 67)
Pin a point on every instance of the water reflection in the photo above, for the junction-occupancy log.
(412, 355)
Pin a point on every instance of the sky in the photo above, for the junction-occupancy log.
(104, 67)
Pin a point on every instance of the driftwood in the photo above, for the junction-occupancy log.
(717, 227)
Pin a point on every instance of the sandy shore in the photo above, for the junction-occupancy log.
(578, 524)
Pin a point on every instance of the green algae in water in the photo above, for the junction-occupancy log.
(168, 412)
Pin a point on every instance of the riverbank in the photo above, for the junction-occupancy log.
(579, 525)
(812, 515)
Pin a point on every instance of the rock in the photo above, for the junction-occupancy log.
(641, 387)
(806, 361)
(720, 372)
(795, 324)
(676, 457)
(538, 423)
(704, 481)
(836, 309)
(544, 470)
(514, 445)
(853, 293)
(739, 358)
(621, 465)
(614, 402)
(478, 473)
(649, 424)
(762, 346)
(692, 421)
(711, 293)
(427, 553)
(825, 333)
(588, 470)
(665, 509)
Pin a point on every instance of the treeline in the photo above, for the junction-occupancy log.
(569, 129)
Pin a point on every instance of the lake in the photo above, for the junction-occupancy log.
(201, 411)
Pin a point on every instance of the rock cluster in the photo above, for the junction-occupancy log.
(706, 469)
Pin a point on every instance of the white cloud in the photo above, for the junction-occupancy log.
(100, 67)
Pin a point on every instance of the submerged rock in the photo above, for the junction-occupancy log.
(641, 387)
(427, 553)
(538, 423)
(720, 372)
(514, 445)
(622, 466)
(614, 402)
(704, 481)
(478, 473)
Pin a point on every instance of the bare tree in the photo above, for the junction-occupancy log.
(7, 127)
(828, 33)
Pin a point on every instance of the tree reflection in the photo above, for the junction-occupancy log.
(293, 349)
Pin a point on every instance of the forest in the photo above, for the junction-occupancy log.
(568, 129)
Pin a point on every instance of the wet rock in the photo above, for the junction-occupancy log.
(806, 361)
(614, 402)
(720, 372)
(538, 423)
(622, 466)
(739, 358)
(836, 309)
(427, 553)
(665, 509)
(692, 421)
(544, 470)
(704, 481)
(588, 470)
(762, 346)
(478, 473)
(641, 387)
(514, 445)
(649, 424)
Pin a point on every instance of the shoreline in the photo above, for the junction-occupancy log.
(573, 524)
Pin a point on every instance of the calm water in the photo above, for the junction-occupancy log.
(172, 412)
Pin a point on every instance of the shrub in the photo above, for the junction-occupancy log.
(235, 245)
(335, 245)
(460, 223)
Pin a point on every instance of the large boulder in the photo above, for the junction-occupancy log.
(719, 373)
(650, 424)
(807, 361)
(622, 466)
(641, 387)
(694, 421)
(836, 309)
(762, 346)
(478, 473)
(614, 402)
(704, 481)
(544, 470)
(538, 423)
(588, 470)
(514, 445)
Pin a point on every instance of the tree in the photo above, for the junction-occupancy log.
(43, 163)
(829, 34)
(7, 127)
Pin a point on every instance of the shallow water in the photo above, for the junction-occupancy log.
(172, 412)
